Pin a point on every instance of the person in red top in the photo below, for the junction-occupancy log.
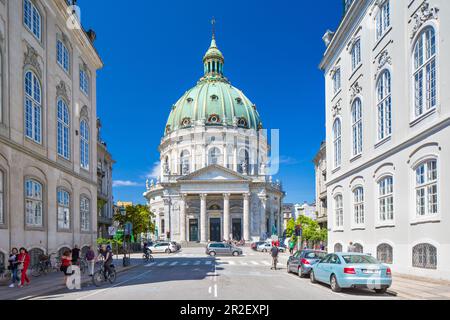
(66, 262)
(24, 260)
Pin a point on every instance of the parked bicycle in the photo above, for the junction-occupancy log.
(44, 266)
(101, 276)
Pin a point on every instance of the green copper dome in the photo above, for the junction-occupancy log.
(213, 101)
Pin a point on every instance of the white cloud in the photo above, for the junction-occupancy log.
(156, 171)
(125, 183)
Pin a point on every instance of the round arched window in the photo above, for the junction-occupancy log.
(214, 118)
(242, 122)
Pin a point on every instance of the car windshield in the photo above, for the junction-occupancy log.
(359, 259)
(315, 255)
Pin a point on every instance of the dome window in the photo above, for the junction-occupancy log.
(214, 97)
(214, 118)
(189, 100)
(242, 122)
(167, 128)
(239, 100)
(186, 122)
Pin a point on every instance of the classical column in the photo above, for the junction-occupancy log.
(226, 216)
(203, 217)
(263, 214)
(183, 218)
(246, 217)
(167, 204)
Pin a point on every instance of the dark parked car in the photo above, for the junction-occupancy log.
(302, 261)
(222, 248)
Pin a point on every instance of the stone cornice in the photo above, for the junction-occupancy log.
(340, 37)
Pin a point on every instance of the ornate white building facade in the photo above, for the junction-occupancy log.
(387, 72)
(214, 154)
(48, 144)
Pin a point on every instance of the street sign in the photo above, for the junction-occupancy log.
(128, 228)
(112, 231)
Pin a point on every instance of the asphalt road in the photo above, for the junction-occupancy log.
(191, 275)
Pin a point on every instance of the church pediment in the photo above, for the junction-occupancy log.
(214, 173)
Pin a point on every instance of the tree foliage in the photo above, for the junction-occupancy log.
(311, 229)
(140, 217)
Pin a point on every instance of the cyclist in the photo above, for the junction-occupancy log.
(274, 253)
(107, 256)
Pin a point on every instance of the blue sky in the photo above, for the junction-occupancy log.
(153, 52)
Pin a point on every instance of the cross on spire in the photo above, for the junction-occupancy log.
(213, 23)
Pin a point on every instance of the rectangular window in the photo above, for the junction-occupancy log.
(339, 211)
(386, 199)
(32, 18)
(63, 210)
(427, 189)
(33, 203)
(383, 20)
(358, 206)
(337, 81)
(84, 82)
(85, 214)
(63, 56)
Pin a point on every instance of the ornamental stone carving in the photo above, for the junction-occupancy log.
(336, 109)
(61, 91)
(355, 90)
(32, 59)
(383, 60)
(422, 15)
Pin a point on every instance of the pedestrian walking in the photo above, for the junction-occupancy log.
(66, 262)
(90, 258)
(322, 246)
(75, 255)
(291, 246)
(24, 263)
(274, 253)
(14, 266)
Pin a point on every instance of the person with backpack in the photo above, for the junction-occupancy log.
(274, 253)
(90, 258)
(13, 266)
(24, 263)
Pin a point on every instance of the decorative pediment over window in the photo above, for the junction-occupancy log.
(334, 70)
(84, 113)
(32, 59)
(336, 109)
(422, 15)
(383, 60)
(62, 91)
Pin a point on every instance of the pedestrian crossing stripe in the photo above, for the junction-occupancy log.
(208, 263)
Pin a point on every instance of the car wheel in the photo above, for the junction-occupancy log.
(264, 250)
(212, 253)
(288, 268)
(334, 284)
(312, 277)
(300, 272)
(168, 251)
(381, 291)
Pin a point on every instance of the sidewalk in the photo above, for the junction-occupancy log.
(417, 288)
(52, 282)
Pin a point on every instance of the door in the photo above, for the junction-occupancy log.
(319, 270)
(237, 229)
(193, 230)
(214, 229)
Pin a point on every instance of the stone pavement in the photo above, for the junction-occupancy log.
(54, 281)
(418, 288)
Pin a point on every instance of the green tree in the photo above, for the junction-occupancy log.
(140, 217)
(311, 230)
(290, 228)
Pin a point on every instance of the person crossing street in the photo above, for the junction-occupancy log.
(274, 253)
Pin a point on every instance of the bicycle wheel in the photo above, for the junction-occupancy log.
(150, 257)
(145, 258)
(112, 276)
(98, 278)
(36, 270)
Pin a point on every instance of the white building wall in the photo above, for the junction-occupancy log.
(412, 139)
